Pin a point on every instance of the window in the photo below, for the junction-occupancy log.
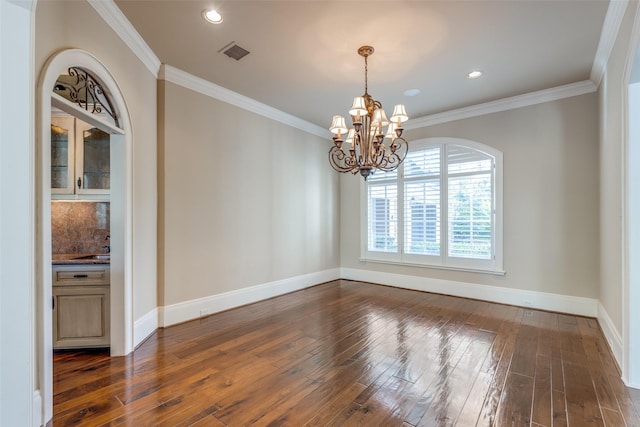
(440, 208)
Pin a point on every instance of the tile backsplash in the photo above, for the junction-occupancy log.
(79, 227)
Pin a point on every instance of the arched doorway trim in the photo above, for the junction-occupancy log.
(121, 203)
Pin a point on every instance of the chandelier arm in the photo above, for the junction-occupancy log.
(339, 160)
(366, 146)
(379, 159)
(399, 148)
(358, 148)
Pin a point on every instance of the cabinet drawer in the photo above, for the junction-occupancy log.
(80, 275)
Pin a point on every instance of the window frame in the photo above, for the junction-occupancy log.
(494, 265)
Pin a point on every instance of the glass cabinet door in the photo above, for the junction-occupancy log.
(62, 147)
(92, 159)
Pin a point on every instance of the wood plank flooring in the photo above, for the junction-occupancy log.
(351, 353)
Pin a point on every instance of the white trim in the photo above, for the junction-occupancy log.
(193, 309)
(436, 267)
(60, 103)
(145, 326)
(122, 337)
(630, 245)
(37, 409)
(113, 17)
(611, 334)
(519, 297)
(122, 263)
(205, 87)
(19, 352)
(629, 236)
(610, 30)
(519, 101)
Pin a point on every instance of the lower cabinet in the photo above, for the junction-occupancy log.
(81, 312)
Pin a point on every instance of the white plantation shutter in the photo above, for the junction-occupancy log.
(422, 201)
(470, 206)
(464, 160)
(383, 176)
(470, 216)
(422, 217)
(438, 208)
(383, 215)
(422, 163)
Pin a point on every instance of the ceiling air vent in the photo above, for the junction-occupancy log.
(232, 50)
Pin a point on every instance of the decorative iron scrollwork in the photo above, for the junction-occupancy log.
(82, 88)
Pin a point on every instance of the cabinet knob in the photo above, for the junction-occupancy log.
(79, 183)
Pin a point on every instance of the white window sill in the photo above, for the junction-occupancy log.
(435, 266)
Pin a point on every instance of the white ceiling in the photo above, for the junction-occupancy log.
(303, 57)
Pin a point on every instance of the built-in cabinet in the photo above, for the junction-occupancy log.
(81, 312)
(80, 158)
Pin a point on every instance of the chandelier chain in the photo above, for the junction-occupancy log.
(366, 74)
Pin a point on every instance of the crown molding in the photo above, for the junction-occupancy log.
(519, 101)
(113, 16)
(610, 30)
(205, 87)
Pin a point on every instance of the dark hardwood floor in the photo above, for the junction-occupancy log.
(351, 353)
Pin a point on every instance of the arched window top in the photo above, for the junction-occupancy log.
(82, 88)
(467, 144)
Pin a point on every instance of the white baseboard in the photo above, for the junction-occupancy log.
(145, 326)
(193, 309)
(189, 310)
(611, 334)
(530, 299)
(631, 385)
(37, 409)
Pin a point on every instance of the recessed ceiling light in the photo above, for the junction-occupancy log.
(412, 92)
(212, 16)
(474, 74)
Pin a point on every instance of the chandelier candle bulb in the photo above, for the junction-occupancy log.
(368, 152)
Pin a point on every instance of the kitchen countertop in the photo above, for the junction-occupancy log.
(73, 259)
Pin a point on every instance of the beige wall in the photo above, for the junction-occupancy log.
(245, 200)
(75, 24)
(217, 219)
(612, 98)
(550, 198)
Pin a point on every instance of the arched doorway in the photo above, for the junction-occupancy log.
(121, 288)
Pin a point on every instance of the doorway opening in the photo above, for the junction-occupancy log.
(80, 213)
(118, 129)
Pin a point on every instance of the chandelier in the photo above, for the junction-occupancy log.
(367, 150)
